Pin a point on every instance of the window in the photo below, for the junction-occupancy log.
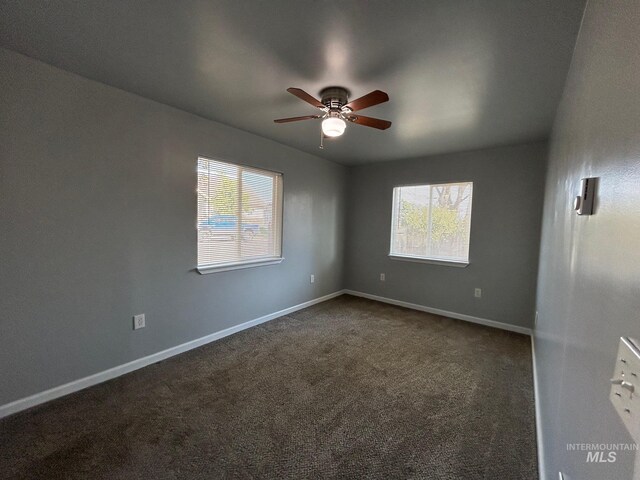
(239, 216)
(432, 222)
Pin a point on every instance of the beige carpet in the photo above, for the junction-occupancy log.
(349, 388)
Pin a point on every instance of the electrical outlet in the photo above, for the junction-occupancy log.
(313, 278)
(382, 277)
(139, 321)
(478, 293)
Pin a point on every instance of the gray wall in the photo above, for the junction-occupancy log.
(97, 217)
(589, 292)
(505, 233)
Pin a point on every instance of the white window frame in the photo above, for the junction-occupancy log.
(425, 259)
(258, 262)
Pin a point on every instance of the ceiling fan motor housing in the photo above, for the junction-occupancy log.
(334, 97)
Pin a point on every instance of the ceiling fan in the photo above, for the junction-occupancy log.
(337, 110)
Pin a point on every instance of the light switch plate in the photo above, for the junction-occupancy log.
(625, 385)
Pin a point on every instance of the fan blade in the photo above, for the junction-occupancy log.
(369, 100)
(295, 119)
(369, 122)
(302, 95)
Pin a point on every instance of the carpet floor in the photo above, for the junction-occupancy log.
(349, 388)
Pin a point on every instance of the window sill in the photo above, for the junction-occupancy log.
(446, 263)
(225, 267)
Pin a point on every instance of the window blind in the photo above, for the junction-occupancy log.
(239, 214)
(432, 222)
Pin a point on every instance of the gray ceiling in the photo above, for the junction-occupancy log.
(460, 74)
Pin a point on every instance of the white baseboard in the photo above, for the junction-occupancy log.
(444, 313)
(82, 383)
(74, 386)
(536, 401)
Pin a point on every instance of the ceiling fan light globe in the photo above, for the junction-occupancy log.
(333, 126)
